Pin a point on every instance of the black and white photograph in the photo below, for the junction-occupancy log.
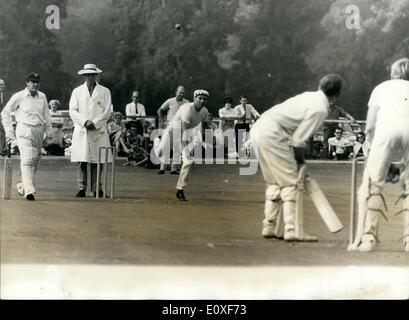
(204, 150)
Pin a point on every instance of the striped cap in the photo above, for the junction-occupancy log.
(200, 92)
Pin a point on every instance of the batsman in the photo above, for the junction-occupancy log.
(387, 128)
(279, 138)
(33, 118)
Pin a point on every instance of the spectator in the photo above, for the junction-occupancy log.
(339, 146)
(133, 144)
(248, 114)
(335, 113)
(56, 145)
(166, 112)
(3, 145)
(135, 108)
(228, 114)
(116, 129)
(361, 146)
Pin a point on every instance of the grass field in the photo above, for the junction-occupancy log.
(145, 225)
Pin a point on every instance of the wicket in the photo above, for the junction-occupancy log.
(113, 149)
(353, 200)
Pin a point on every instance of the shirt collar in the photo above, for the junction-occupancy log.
(28, 93)
(96, 85)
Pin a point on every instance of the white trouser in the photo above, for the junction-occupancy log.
(389, 144)
(278, 166)
(187, 163)
(29, 141)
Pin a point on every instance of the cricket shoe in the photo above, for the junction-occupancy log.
(30, 197)
(80, 194)
(100, 194)
(181, 195)
(368, 243)
(161, 172)
(175, 172)
(268, 232)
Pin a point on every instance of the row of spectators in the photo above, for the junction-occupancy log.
(341, 148)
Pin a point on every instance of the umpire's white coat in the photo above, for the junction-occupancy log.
(85, 144)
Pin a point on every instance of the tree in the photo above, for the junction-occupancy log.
(363, 56)
(26, 45)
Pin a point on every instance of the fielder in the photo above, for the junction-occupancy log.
(188, 117)
(33, 120)
(290, 123)
(387, 128)
(169, 109)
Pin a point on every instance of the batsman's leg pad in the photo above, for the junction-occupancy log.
(375, 205)
(405, 211)
(289, 220)
(272, 204)
(271, 212)
(288, 195)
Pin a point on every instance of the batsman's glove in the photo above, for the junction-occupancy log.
(393, 174)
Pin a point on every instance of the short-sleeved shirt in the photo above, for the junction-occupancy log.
(339, 145)
(174, 106)
(188, 114)
(228, 112)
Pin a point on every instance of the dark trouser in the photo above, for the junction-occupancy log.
(243, 127)
(54, 150)
(82, 176)
(3, 145)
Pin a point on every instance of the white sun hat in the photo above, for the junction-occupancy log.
(90, 68)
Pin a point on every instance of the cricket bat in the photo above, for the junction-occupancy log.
(322, 205)
(7, 174)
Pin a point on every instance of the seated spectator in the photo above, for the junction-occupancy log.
(56, 146)
(339, 146)
(149, 127)
(132, 142)
(361, 146)
(228, 114)
(116, 128)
